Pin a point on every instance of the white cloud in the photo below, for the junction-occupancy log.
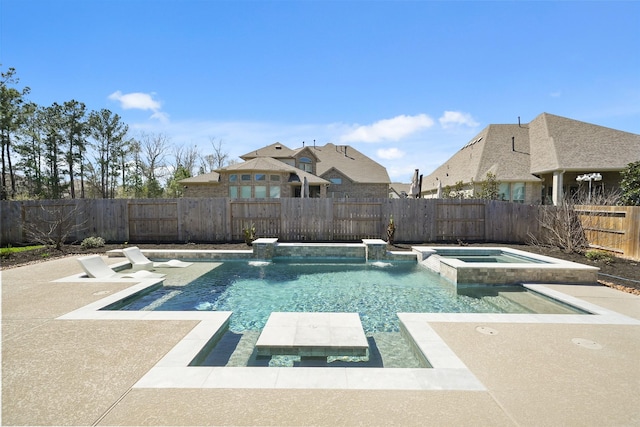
(452, 119)
(140, 101)
(556, 94)
(161, 116)
(388, 129)
(390, 153)
(135, 100)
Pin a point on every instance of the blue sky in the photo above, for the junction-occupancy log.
(406, 82)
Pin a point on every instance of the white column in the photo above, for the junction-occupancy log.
(557, 188)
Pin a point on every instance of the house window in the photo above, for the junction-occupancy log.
(233, 192)
(274, 192)
(233, 178)
(260, 177)
(274, 178)
(336, 180)
(245, 177)
(245, 192)
(518, 192)
(505, 191)
(305, 164)
(260, 191)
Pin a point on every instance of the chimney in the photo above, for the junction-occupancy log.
(302, 144)
(345, 151)
(513, 143)
(518, 121)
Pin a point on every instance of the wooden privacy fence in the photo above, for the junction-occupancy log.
(288, 219)
(614, 228)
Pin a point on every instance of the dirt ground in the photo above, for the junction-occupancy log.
(621, 274)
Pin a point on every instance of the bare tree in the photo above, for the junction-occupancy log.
(54, 225)
(563, 227)
(185, 157)
(218, 159)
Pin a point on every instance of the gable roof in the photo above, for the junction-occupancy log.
(275, 150)
(351, 163)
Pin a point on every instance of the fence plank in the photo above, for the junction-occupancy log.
(614, 228)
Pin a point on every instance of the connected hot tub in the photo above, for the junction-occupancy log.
(468, 266)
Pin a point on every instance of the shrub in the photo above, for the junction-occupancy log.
(92, 242)
(597, 255)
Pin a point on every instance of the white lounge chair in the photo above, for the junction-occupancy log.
(95, 267)
(141, 262)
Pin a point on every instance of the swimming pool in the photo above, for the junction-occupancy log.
(253, 290)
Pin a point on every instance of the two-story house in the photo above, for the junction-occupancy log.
(312, 171)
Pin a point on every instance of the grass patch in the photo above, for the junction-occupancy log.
(9, 250)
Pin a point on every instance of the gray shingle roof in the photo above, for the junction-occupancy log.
(349, 161)
(547, 144)
(275, 150)
(492, 150)
(204, 178)
(567, 144)
(352, 163)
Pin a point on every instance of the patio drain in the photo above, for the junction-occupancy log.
(583, 342)
(486, 330)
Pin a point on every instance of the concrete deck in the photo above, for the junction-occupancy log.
(76, 371)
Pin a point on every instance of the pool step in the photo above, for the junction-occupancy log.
(534, 303)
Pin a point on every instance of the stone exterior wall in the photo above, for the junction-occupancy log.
(205, 190)
(309, 155)
(349, 188)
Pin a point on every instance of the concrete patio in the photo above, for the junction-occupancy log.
(83, 372)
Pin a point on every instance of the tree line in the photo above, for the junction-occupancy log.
(65, 150)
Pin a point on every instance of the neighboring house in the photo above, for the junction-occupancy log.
(278, 171)
(538, 162)
(399, 190)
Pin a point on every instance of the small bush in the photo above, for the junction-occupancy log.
(597, 255)
(92, 242)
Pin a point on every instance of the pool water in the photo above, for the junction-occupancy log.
(377, 291)
(504, 258)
